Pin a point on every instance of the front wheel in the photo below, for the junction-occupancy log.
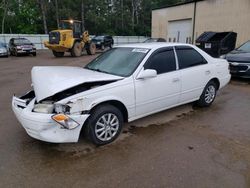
(104, 125)
(208, 95)
(76, 51)
(91, 48)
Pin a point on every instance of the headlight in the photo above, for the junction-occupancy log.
(65, 121)
(61, 108)
(18, 47)
(44, 108)
(223, 56)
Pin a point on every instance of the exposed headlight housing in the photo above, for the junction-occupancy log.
(65, 121)
(44, 108)
(61, 108)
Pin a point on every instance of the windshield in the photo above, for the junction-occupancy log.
(99, 37)
(118, 61)
(150, 40)
(22, 41)
(66, 25)
(2, 45)
(245, 47)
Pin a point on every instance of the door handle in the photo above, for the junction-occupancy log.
(207, 72)
(176, 80)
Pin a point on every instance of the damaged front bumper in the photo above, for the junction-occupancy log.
(42, 127)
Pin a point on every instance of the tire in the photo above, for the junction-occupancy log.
(58, 54)
(15, 53)
(34, 54)
(102, 47)
(91, 48)
(76, 51)
(99, 132)
(208, 95)
(111, 45)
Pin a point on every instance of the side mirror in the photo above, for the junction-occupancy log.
(148, 73)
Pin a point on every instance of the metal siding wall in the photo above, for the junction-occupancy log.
(212, 15)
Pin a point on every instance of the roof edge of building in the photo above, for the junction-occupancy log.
(175, 5)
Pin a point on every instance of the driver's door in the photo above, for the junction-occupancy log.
(163, 91)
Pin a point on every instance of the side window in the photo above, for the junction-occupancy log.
(189, 57)
(162, 62)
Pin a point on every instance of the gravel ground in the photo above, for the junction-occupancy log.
(181, 147)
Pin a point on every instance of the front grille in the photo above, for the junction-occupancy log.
(237, 68)
(54, 37)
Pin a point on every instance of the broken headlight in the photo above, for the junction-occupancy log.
(65, 121)
(43, 108)
(61, 108)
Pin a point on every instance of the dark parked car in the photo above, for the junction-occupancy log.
(155, 40)
(103, 41)
(239, 60)
(18, 46)
(3, 50)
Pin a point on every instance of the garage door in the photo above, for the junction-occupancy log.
(180, 31)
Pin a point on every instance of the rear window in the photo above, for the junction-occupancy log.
(189, 57)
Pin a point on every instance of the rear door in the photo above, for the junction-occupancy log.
(162, 91)
(195, 72)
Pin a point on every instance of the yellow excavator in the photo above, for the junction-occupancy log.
(70, 37)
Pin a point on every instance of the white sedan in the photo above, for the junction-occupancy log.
(121, 85)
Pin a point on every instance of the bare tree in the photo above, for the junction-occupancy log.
(82, 15)
(135, 12)
(5, 6)
(57, 14)
(43, 9)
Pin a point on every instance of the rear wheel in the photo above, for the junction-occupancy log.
(76, 51)
(58, 54)
(104, 125)
(91, 48)
(208, 95)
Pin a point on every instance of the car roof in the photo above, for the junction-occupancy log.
(153, 45)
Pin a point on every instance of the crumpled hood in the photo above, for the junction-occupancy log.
(238, 56)
(47, 81)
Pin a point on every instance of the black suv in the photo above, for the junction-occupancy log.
(103, 41)
(18, 46)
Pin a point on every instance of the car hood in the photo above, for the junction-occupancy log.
(238, 56)
(48, 81)
(97, 40)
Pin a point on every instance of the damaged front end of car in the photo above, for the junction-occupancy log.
(55, 110)
(51, 121)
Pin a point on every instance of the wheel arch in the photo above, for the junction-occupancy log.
(116, 103)
(216, 81)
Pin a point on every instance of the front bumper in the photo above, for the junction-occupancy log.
(56, 47)
(240, 69)
(42, 127)
(3, 53)
(28, 51)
